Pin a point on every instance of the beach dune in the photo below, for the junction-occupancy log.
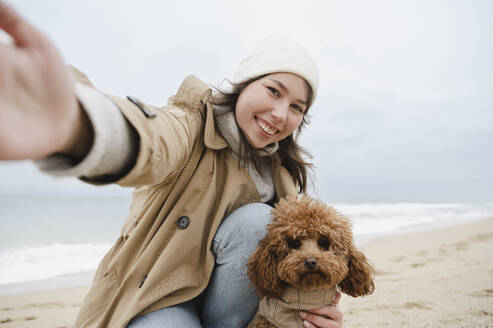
(434, 278)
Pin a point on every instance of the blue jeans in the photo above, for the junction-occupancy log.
(229, 300)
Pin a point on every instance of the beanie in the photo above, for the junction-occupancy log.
(279, 53)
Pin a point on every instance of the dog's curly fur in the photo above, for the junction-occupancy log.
(309, 246)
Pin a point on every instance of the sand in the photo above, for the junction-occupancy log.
(46, 309)
(435, 278)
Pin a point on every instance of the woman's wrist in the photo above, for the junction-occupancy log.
(81, 137)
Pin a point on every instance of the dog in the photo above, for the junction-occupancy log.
(306, 256)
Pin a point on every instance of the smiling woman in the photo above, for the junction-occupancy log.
(196, 193)
(256, 104)
(271, 108)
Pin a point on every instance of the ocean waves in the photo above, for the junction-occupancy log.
(386, 218)
(28, 263)
(53, 246)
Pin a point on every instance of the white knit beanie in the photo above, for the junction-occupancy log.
(279, 53)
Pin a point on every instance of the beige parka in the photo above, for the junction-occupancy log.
(186, 181)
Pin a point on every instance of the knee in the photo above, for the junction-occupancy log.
(250, 221)
(245, 226)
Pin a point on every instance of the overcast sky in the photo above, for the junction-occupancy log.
(405, 103)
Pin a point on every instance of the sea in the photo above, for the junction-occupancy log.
(49, 242)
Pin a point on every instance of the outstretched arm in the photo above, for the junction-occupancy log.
(107, 139)
(39, 112)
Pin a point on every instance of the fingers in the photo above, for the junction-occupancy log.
(336, 298)
(308, 324)
(18, 28)
(332, 312)
(315, 318)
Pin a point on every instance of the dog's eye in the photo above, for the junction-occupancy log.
(323, 243)
(295, 244)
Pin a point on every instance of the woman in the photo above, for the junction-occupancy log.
(203, 168)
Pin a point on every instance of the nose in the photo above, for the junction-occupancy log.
(310, 263)
(279, 113)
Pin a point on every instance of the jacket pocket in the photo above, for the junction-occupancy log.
(96, 301)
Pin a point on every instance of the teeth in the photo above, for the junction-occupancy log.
(266, 128)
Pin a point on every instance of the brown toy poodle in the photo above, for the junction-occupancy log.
(307, 255)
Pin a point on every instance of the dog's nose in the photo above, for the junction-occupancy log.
(310, 263)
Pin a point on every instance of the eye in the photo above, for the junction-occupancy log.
(323, 243)
(294, 244)
(274, 91)
(297, 108)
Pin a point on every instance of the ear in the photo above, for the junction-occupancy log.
(359, 280)
(262, 268)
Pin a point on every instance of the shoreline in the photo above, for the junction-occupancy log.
(440, 277)
(365, 240)
(84, 278)
(71, 280)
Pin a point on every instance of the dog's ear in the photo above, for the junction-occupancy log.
(359, 280)
(262, 267)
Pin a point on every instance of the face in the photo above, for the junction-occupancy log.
(271, 108)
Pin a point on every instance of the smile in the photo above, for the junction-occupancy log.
(267, 129)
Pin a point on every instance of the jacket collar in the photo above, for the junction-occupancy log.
(212, 137)
(194, 94)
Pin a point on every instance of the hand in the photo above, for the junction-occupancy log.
(39, 113)
(329, 316)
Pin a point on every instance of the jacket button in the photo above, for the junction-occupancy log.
(183, 222)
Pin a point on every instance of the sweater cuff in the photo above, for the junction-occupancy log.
(114, 148)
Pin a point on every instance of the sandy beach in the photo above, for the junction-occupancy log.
(434, 278)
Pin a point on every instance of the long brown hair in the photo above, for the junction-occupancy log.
(289, 154)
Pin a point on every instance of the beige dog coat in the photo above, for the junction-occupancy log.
(284, 312)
